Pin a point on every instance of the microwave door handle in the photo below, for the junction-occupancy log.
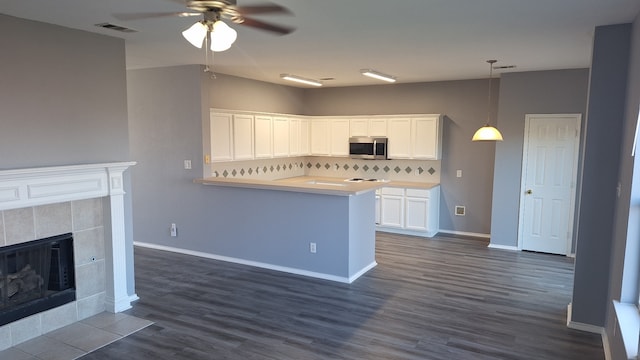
(375, 147)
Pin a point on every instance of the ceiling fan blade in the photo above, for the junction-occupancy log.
(151, 15)
(261, 25)
(263, 9)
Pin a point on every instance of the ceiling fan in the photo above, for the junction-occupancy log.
(214, 10)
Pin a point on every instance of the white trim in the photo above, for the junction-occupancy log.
(573, 197)
(503, 247)
(465, 233)
(628, 321)
(605, 346)
(262, 265)
(582, 326)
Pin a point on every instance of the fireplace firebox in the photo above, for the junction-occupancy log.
(36, 276)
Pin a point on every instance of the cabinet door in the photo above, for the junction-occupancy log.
(280, 137)
(378, 127)
(426, 138)
(305, 138)
(359, 127)
(392, 207)
(294, 137)
(416, 214)
(320, 137)
(263, 137)
(339, 137)
(242, 137)
(399, 135)
(221, 136)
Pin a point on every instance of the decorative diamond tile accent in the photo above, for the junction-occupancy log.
(234, 172)
(386, 169)
(431, 171)
(366, 168)
(225, 173)
(264, 169)
(408, 170)
(250, 171)
(327, 166)
(356, 167)
(376, 168)
(272, 168)
(397, 169)
(290, 166)
(309, 165)
(318, 166)
(278, 167)
(242, 172)
(346, 167)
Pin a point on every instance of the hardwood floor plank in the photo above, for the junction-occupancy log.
(440, 298)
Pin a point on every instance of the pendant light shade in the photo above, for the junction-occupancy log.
(488, 132)
(222, 36)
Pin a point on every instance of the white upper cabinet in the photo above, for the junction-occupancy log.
(221, 136)
(339, 137)
(418, 137)
(281, 137)
(242, 137)
(399, 135)
(263, 136)
(320, 137)
(427, 137)
(294, 137)
(305, 137)
(368, 127)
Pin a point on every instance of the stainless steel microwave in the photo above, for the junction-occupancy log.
(368, 147)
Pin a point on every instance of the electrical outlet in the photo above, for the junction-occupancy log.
(312, 248)
(174, 230)
(207, 159)
(459, 173)
(187, 164)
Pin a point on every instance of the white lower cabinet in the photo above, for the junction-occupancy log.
(409, 211)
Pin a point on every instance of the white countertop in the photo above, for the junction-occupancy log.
(313, 184)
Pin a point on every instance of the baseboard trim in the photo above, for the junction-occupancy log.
(582, 326)
(346, 280)
(503, 247)
(465, 233)
(606, 347)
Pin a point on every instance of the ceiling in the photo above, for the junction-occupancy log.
(413, 40)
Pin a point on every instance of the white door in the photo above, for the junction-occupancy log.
(549, 171)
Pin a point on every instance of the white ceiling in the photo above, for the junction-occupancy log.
(414, 40)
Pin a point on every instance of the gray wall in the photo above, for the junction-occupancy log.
(627, 219)
(63, 101)
(465, 105)
(602, 143)
(539, 92)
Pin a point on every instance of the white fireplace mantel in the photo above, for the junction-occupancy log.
(21, 188)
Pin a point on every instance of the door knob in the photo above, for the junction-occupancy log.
(529, 192)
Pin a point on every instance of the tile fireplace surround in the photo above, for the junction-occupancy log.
(87, 200)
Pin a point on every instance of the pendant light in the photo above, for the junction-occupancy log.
(488, 132)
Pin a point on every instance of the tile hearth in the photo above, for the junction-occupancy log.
(78, 339)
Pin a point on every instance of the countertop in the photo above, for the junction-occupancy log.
(313, 184)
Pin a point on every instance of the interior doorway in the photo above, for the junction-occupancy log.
(548, 182)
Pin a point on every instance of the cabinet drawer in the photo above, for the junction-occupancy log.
(424, 193)
(392, 191)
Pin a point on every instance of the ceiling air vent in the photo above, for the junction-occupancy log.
(116, 27)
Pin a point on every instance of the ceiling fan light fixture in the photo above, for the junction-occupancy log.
(488, 132)
(377, 75)
(300, 79)
(196, 33)
(222, 36)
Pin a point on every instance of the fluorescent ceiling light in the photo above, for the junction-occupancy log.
(301, 80)
(377, 75)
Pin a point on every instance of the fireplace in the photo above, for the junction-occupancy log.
(36, 276)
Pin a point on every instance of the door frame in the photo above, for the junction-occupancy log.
(525, 148)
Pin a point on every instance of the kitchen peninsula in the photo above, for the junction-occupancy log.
(318, 227)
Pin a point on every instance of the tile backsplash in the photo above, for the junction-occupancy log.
(271, 169)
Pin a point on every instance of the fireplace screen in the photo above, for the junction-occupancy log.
(36, 276)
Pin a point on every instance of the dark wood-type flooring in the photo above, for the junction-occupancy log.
(440, 298)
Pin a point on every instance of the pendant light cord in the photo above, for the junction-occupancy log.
(491, 62)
